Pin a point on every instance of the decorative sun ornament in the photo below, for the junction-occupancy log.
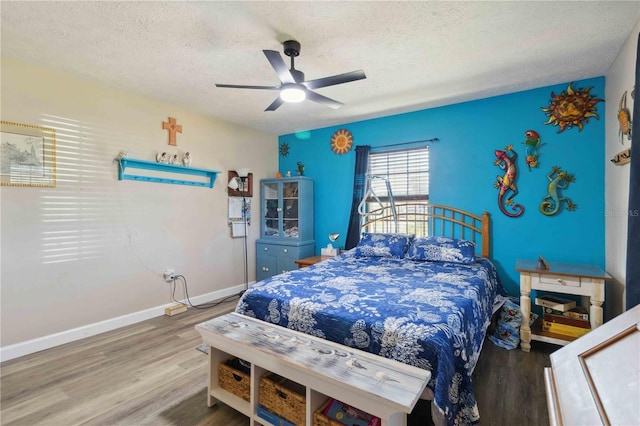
(284, 149)
(341, 141)
(571, 108)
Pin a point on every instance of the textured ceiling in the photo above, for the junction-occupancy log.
(415, 54)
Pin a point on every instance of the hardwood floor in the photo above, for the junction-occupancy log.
(151, 374)
(509, 385)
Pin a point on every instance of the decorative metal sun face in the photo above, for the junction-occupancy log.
(571, 108)
(341, 141)
(284, 149)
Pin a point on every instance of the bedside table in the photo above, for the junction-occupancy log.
(576, 279)
(308, 261)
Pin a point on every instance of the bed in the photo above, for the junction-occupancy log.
(424, 300)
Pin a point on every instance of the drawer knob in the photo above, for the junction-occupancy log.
(285, 250)
(561, 281)
(266, 269)
(266, 249)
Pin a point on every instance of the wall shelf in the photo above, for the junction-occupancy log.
(130, 163)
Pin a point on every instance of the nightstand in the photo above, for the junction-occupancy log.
(576, 279)
(308, 261)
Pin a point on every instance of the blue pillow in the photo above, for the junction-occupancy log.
(442, 249)
(383, 245)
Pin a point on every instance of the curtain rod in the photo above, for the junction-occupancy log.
(408, 143)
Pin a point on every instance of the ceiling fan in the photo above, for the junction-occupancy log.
(293, 87)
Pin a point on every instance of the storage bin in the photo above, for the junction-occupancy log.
(235, 377)
(283, 398)
(319, 419)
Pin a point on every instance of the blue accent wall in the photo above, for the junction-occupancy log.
(462, 172)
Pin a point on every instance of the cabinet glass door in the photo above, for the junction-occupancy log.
(272, 210)
(290, 210)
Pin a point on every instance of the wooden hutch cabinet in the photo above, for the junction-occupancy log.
(286, 225)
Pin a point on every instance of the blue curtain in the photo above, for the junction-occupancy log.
(633, 235)
(359, 182)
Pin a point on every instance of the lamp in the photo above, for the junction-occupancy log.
(329, 250)
(233, 184)
(292, 93)
(238, 179)
(243, 173)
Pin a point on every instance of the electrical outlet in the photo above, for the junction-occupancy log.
(169, 274)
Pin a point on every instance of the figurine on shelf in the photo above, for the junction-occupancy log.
(186, 160)
(174, 159)
(162, 158)
(288, 173)
(300, 169)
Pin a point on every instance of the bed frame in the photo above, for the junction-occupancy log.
(432, 219)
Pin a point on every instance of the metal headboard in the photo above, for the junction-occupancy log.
(433, 219)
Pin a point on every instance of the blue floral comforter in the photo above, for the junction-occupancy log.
(432, 315)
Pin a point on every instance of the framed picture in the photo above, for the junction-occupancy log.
(27, 155)
(245, 189)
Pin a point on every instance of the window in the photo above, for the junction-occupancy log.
(407, 172)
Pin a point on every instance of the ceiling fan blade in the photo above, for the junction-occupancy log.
(315, 97)
(235, 86)
(275, 104)
(336, 79)
(279, 66)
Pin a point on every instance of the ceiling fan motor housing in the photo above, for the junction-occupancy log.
(291, 48)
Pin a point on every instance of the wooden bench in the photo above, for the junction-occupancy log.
(379, 386)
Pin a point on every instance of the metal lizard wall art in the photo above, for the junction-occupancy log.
(551, 203)
(506, 160)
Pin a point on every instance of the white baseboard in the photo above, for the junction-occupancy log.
(45, 342)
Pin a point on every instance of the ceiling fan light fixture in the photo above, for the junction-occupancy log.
(292, 94)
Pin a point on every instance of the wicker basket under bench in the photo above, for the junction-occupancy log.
(304, 359)
(233, 377)
(283, 397)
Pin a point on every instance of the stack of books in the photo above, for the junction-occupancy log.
(561, 316)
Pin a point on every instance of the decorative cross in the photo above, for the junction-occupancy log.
(172, 127)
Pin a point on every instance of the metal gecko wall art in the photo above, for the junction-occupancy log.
(506, 183)
(552, 202)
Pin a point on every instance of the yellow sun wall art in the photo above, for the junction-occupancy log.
(341, 141)
(571, 108)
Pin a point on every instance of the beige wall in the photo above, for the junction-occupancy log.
(619, 78)
(94, 248)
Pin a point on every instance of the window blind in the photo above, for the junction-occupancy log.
(407, 171)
